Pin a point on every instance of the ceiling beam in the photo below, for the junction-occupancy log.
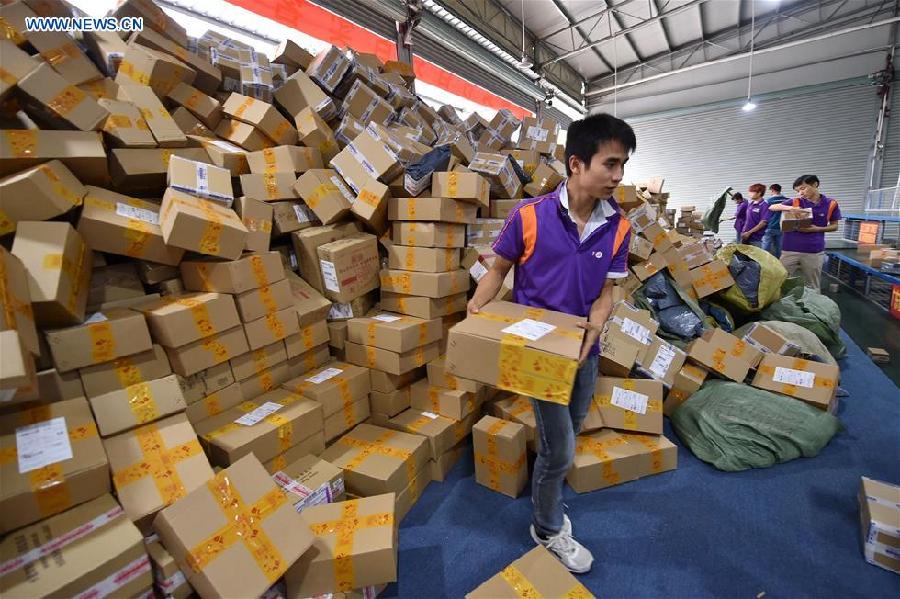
(665, 27)
(615, 15)
(584, 36)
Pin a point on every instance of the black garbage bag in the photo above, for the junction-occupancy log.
(719, 314)
(418, 174)
(523, 177)
(669, 308)
(746, 272)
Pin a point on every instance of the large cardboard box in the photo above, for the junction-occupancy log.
(688, 380)
(284, 159)
(18, 375)
(311, 481)
(266, 300)
(349, 267)
(538, 134)
(425, 284)
(206, 109)
(124, 372)
(144, 66)
(15, 300)
(336, 386)
(201, 226)
(51, 189)
(271, 328)
(251, 271)
(267, 380)
(109, 335)
(501, 463)
(261, 115)
(539, 570)
(769, 341)
(257, 217)
(224, 153)
(441, 468)
(81, 151)
(711, 277)
(167, 578)
(325, 193)
(628, 404)
(311, 445)
(442, 433)
(663, 361)
(241, 506)
(386, 382)
(723, 353)
(96, 533)
(291, 216)
(58, 263)
(466, 187)
(50, 460)
(114, 283)
(309, 337)
(340, 422)
(388, 361)
(178, 321)
(423, 307)
(606, 458)
(498, 170)
(309, 304)
(439, 377)
(544, 180)
(431, 209)
(197, 386)
(519, 349)
(418, 234)
(454, 404)
(652, 265)
(299, 92)
(160, 121)
(154, 465)
(390, 403)
(631, 326)
(422, 259)
(354, 546)
(244, 135)
(117, 224)
(200, 179)
(266, 426)
(393, 332)
(142, 172)
(214, 403)
(207, 352)
(879, 511)
(313, 132)
(306, 361)
(257, 361)
(51, 98)
(269, 187)
(812, 382)
(377, 460)
(137, 404)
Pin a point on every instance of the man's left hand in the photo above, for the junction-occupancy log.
(592, 333)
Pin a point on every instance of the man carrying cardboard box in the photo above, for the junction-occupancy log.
(568, 246)
(804, 249)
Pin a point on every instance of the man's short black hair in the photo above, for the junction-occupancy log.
(806, 180)
(587, 135)
(775, 187)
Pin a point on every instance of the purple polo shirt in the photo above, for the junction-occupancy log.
(561, 273)
(740, 214)
(755, 213)
(811, 243)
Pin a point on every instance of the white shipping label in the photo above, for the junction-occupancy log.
(224, 145)
(328, 373)
(251, 418)
(96, 317)
(629, 400)
(660, 365)
(387, 318)
(800, 378)
(340, 311)
(301, 212)
(431, 415)
(339, 183)
(636, 331)
(148, 216)
(202, 180)
(477, 271)
(7, 394)
(329, 275)
(292, 486)
(537, 134)
(529, 329)
(42, 444)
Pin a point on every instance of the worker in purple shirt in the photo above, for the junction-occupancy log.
(756, 216)
(567, 248)
(740, 213)
(804, 250)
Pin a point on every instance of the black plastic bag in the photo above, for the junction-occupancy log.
(746, 272)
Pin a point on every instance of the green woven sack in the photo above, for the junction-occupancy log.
(771, 275)
(814, 312)
(736, 427)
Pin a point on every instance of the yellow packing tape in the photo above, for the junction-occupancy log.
(141, 402)
(57, 185)
(23, 143)
(534, 373)
(66, 100)
(58, 56)
(243, 108)
(128, 69)
(103, 346)
(158, 462)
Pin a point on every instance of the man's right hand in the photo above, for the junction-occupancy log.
(473, 307)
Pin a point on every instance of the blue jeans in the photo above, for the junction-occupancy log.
(557, 426)
(772, 243)
(757, 243)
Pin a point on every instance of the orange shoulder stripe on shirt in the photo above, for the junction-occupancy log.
(529, 230)
(831, 208)
(796, 202)
(621, 232)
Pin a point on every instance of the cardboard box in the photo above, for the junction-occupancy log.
(371, 548)
(201, 180)
(207, 352)
(291, 216)
(214, 404)
(812, 382)
(640, 249)
(431, 209)
(392, 332)
(257, 361)
(644, 270)
(315, 133)
(268, 299)
(377, 460)
(244, 135)
(878, 355)
(388, 361)
(284, 159)
(340, 422)
(878, 513)
(723, 353)
(266, 426)
(204, 227)
(429, 234)
(290, 54)
(269, 187)
(137, 404)
(117, 224)
(539, 570)
(167, 578)
(58, 262)
(354, 309)
(205, 108)
(15, 300)
(271, 328)
(337, 334)
(251, 271)
(206, 382)
(390, 403)
(175, 322)
(501, 463)
(452, 404)
(441, 467)
(143, 172)
(222, 509)
(439, 377)
(426, 284)
(261, 115)
(656, 235)
(371, 205)
(55, 100)
(629, 404)
(257, 218)
(662, 361)
(386, 382)
(517, 408)
(53, 481)
(768, 341)
(18, 376)
(311, 481)
(795, 220)
(442, 433)
(164, 128)
(96, 532)
(502, 208)
(81, 151)
(484, 231)
(606, 458)
(51, 386)
(538, 134)
(107, 336)
(51, 188)
(336, 386)
(466, 187)
(325, 193)
(299, 92)
(688, 380)
(18, 64)
(423, 307)
(632, 327)
(711, 277)
(309, 304)
(267, 380)
(114, 283)
(499, 172)
(311, 445)
(544, 180)
(144, 66)
(225, 154)
(328, 68)
(349, 267)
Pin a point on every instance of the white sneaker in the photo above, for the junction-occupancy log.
(567, 550)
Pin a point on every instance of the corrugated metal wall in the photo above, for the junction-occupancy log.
(891, 169)
(826, 132)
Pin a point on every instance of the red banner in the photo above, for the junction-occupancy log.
(319, 23)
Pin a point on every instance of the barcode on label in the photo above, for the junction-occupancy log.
(329, 276)
(142, 214)
(328, 373)
(629, 400)
(789, 376)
